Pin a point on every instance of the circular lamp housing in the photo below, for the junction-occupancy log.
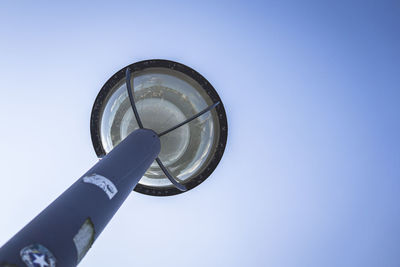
(166, 93)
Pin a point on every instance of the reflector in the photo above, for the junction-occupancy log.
(166, 94)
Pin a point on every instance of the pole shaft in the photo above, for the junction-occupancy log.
(62, 233)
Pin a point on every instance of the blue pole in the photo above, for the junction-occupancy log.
(62, 234)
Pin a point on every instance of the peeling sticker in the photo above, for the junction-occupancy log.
(105, 184)
(84, 239)
(37, 255)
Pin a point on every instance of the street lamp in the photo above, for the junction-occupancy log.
(158, 127)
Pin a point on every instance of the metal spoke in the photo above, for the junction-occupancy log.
(172, 179)
(132, 100)
(190, 119)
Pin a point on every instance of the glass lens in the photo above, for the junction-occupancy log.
(164, 98)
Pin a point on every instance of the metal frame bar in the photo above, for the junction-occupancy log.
(190, 119)
(132, 100)
(172, 179)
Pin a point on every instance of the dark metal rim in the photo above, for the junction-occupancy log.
(207, 87)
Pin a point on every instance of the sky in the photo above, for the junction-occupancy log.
(311, 173)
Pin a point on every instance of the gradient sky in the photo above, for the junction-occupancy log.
(311, 173)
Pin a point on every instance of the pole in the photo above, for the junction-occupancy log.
(61, 235)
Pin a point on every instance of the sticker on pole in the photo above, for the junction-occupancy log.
(37, 255)
(84, 239)
(102, 182)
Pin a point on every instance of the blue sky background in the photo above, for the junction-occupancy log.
(311, 173)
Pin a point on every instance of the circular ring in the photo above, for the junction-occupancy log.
(106, 90)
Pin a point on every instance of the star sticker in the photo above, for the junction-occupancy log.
(40, 260)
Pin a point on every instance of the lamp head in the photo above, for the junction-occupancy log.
(166, 93)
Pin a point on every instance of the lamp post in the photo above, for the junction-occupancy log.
(162, 136)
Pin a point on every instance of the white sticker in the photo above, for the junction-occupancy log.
(102, 182)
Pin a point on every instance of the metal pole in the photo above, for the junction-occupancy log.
(61, 235)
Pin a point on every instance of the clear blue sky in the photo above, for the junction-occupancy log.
(311, 174)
